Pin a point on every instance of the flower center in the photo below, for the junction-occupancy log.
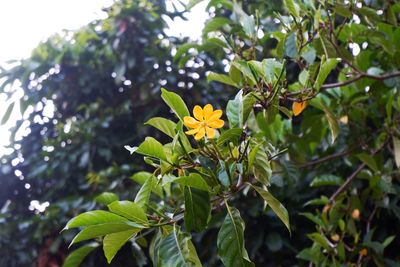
(203, 124)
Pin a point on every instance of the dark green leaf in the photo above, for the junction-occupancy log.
(177, 250)
(230, 240)
(197, 209)
(275, 205)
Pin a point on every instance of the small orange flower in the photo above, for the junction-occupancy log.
(205, 121)
(298, 107)
(364, 252)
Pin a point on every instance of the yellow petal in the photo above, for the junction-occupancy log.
(210, 132)
(190, 122)
(193, 131)
(216, 124)
(215, 116)
(298, 107)
(198, 113)
(200, 134)
(208, 111)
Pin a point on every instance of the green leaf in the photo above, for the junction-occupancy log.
(292, 8)
(260, 165)
(106, 198)
(112, 243)
(175, 102)
(151, 147)
(164, 125)
(396, 151)
(326, 179)
(194, 180)
(176, 249)
(320, 240)
(303, 77)
(388, 240)
(230, 135)
(143, 196)
(104, 229)
(92, 218)
(215, 24)
(291, 46)
(314, 219)
(238, 109)
(272, 68)
(245, 69)
(197, 209)
(275, 205)
(332, 120)
(324, 71)
(77, 256)
(230, 240)
(182, 49)
(7, 114)
(129, 210)
(368, 160)
(222, 78)
(141, 177)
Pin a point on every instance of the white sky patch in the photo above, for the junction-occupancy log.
(25, 23)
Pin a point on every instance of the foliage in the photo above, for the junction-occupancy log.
(227, 200)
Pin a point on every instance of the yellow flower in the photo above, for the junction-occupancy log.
(205, 121)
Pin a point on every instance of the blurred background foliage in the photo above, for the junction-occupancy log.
(88, 93)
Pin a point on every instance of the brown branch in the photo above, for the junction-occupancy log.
(350, 179)
(327, 158)
(290, 95)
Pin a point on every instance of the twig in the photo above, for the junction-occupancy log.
(343, 83)
(350, 179)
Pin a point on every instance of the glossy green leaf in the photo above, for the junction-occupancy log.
(326, 68)
(92, 218)
(141, 178)
(151, 147)
(104, 229)
(176, 249)
(260, 165)
(77, 256)
(106, 198)
(275, 205)
(222, 78)
(230, 240)
(193, 180)
(129, 210)
(112, 243)
(143, 196)
(175, 102)
(231, 135)
(164, 125)
(197, 209)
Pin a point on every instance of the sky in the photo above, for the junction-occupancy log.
(24, 23)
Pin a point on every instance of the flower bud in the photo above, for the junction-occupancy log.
(355, 214)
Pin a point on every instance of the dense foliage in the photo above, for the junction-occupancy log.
(303, 169)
